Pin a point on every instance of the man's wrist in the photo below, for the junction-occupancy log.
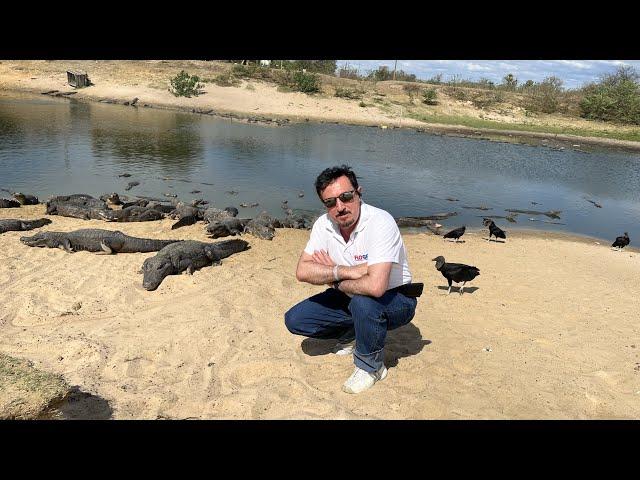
(335, 273)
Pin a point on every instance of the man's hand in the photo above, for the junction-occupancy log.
(323, 258)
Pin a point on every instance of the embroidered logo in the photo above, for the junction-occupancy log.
(359, 258)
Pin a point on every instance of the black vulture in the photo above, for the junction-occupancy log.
(455, 233)
(493, 229)
(456, 272)
(621, 242)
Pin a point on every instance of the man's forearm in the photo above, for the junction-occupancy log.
(315, 273)
(319, 274)
(364, 285)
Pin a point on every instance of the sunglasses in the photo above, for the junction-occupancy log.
(345, 197)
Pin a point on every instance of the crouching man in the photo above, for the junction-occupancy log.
(358, 250)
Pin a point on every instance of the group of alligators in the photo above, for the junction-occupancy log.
(173, 257)
(176, 256)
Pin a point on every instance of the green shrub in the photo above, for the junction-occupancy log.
(487, 99)
(185, 85)
(616, 98)
(348, 93)
(305, 82)
(545, 96)
(429, 96)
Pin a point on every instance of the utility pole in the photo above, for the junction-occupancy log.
(394, 69)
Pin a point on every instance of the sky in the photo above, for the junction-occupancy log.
(574, 73)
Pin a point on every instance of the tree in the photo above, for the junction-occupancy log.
(509, 82)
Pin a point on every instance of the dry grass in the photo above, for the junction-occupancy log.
(25, 392)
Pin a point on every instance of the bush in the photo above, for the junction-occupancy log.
(185, 85)
(487, 99)
(545, 96)
(306, 82)
(616, 98)
(429, 96)
(457, 93)
(348, 93)
(226, 80)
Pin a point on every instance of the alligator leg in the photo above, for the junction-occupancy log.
(106, 249)
(66, 245)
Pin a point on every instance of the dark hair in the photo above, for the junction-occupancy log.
(329, 175)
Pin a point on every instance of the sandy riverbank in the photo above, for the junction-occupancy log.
(549, 331)
(122, 81)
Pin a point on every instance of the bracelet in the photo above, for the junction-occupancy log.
(335, 273)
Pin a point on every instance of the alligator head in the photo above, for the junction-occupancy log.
(154, 270)
(41, 240)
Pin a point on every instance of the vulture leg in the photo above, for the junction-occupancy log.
(462, 287)
(449, 280)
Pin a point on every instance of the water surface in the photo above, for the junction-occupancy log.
(53, 146)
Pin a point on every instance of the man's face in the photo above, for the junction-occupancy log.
(345, 214)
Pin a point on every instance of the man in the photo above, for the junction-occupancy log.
(356, 248)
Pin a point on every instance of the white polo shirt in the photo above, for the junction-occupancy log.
(375, 239)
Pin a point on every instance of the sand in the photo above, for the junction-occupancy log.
(549, 330)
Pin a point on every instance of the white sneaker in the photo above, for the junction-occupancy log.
(360, 380)
(344, 348)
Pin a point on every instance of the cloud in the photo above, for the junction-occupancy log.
(576, 64)
(478, 67)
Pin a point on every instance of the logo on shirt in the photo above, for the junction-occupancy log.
(359, 258)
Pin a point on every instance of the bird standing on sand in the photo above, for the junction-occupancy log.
(494, 230)
(621, 242)
(456, 272)
(455, 233)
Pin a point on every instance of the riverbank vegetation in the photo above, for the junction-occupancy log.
(608, 108)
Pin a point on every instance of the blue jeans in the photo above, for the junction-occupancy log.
(333, 314)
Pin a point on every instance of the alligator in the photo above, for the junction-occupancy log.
(130, 185)
(111, 199)
(79, 200)
(510, 218)
(263, 226)
(26, 199)
(436, 216)
(226, 227)
(16, 225)
(481, 207)
(74, 211)
(96, 240)
(9, 203)
(186, 215)
(404, 222)
(188, 255)
(550, 213)
(131, 214)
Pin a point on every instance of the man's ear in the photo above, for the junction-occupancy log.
(359, 190)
